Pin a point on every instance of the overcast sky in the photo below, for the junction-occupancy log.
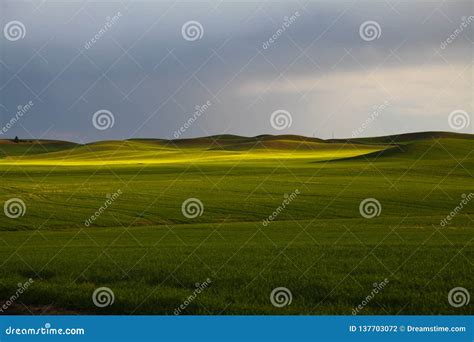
(321, 71)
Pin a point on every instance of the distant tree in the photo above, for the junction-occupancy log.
(16, 140)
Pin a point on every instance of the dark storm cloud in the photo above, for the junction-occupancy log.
(151, 79)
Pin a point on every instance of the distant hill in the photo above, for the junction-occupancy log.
(231, 148)
(31, 146)
(411, 137)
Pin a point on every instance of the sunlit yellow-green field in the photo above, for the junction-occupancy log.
(165, 152)
(319, 245)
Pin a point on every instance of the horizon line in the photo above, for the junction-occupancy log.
(242, 136)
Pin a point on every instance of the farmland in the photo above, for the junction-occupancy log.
(317, 244)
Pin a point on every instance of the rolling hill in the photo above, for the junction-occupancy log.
(229, 148)
(110, 214)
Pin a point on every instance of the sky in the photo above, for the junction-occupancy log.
(88, 71)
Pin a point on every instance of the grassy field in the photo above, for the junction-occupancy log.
(318, 246)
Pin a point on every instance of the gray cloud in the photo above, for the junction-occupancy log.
(151, 79)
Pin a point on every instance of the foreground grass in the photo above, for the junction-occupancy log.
(330, 267)
(319, 247)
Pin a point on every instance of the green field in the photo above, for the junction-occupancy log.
(319, 246)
